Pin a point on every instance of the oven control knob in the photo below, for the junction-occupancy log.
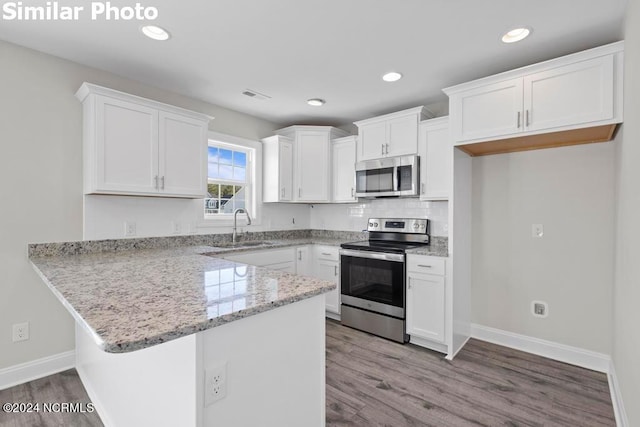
(416, 225)
(375, 224)
(370, 224)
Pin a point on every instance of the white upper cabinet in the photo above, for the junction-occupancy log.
(277, 171)
(436, 159)
(389, 135)
(312, 163)
(135, 146)
(572, 94)
(183, 165)
(343, 154)
(487, 111)
(561, 97)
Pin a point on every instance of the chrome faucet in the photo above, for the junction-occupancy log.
(235, 222)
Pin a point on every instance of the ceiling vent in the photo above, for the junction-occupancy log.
(255, 94)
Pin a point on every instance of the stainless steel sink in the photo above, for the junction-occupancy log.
(245, 244)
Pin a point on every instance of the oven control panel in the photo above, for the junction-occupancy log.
(399, 225)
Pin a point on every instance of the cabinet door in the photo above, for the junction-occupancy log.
(312, 166)
(328, 270)
(425, 306)
(372, 140)
(183, 156)
(569, 95)
(285, 164)
(303, 261)
(487, 111)
(343, 156)
(402, 136)
(436, 158)
(126, 147)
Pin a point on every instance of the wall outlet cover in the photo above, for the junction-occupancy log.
(21, 332)
(539, 308)
(215, 383)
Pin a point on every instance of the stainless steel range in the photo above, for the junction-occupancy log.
(373, 292)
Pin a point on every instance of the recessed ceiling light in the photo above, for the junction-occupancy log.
(156, 33)
(392, 77)
(516, 35)
(316, 102)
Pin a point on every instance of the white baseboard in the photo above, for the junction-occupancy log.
(556, 351)
(29, 371)
(616, 399)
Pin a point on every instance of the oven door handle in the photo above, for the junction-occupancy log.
(372, 255)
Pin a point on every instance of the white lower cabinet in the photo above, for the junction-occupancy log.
(304, 267)
(318, 261)
(275, 259)
(426, 301)
(327, 267)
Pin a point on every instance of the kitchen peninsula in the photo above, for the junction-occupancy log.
(153, 324)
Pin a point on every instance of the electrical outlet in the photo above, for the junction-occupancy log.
(537, 231)
(129, 229)
(21, 332)
(176, 227)
(215, 384)
(539, 309)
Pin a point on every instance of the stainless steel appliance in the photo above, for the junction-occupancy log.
(391, 176)
(372, 276)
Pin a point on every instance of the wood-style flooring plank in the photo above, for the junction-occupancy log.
(485, 384)
(64, 387)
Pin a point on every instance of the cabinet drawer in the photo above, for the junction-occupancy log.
(425, 264)
(329, 253)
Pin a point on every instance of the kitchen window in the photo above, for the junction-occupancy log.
(229, 184)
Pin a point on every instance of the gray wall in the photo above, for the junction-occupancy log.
(570, 191)
(41, 182)
(626, 313)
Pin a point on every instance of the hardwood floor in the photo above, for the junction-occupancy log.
(64, 387)
(375, 382)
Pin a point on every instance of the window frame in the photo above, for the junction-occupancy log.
(253, 186)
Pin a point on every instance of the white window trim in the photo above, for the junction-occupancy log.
(255, 177)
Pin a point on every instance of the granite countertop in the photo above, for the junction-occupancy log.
(134, 293)
(129, 300)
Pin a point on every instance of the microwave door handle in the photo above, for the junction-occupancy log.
(396, 178)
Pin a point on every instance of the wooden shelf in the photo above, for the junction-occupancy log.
(536, 142)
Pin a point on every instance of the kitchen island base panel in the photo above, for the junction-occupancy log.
(275, 373)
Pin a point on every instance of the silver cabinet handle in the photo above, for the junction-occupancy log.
(382, 149)
(422, 188)
(518, 119)
(335, 270)
(326, 254)
(409, 284)
(299, 192)
(282, 192)
(387, 149)
(299, 255)
(424, 266)
(155, 180)
(527, 118)
(162, 182)
(351, 191)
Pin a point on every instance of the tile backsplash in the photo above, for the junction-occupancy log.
(353, 216)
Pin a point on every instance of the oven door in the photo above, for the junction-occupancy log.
(373, 281)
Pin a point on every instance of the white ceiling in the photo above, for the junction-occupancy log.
(293, 50)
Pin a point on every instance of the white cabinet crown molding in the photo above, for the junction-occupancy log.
(421, 110)
(87, 89)
(608, 49)
(291, 130)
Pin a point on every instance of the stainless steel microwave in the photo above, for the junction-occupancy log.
(387, 177)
